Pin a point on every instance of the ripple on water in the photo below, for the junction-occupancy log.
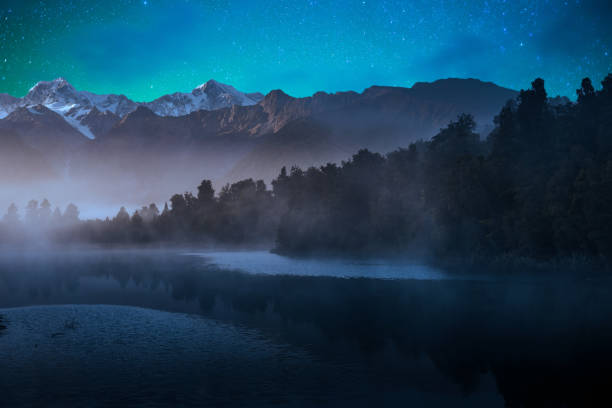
(76, 354)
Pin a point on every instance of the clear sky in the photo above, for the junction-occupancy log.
(146, 48)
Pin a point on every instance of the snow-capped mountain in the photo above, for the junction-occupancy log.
(60, 96)
(91, 113)
(211, 95)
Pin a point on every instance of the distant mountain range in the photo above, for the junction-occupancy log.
(82, 109)
(142, 151)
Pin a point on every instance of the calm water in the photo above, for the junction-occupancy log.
(103, 328)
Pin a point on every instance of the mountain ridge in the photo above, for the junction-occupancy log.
(74, 105)
(77, 107)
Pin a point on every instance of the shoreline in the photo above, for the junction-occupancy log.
(576, 265)
(504, 263)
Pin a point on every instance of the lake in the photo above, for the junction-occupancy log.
(186, 328)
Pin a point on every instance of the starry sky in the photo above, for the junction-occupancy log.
(147, 48)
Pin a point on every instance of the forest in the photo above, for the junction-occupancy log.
(538, 186)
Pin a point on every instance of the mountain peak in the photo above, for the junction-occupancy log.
(275, 97)
(212, 95)
(60, 81)
(210, 82)
(214, 88)
(277, 93)
(55, 84)
(50, 92)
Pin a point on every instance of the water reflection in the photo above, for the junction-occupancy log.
(535, 343)
(265, 263)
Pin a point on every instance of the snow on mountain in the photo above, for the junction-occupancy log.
(59, 96)
(75, 106)
(211, 95)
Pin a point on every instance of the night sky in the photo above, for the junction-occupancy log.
(147, 48)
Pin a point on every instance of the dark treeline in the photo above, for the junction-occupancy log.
(242, 213)
(539, 186)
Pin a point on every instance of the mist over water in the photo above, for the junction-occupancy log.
(252, 329)
(91, 196)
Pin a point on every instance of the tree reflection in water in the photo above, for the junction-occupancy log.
(545, 342)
